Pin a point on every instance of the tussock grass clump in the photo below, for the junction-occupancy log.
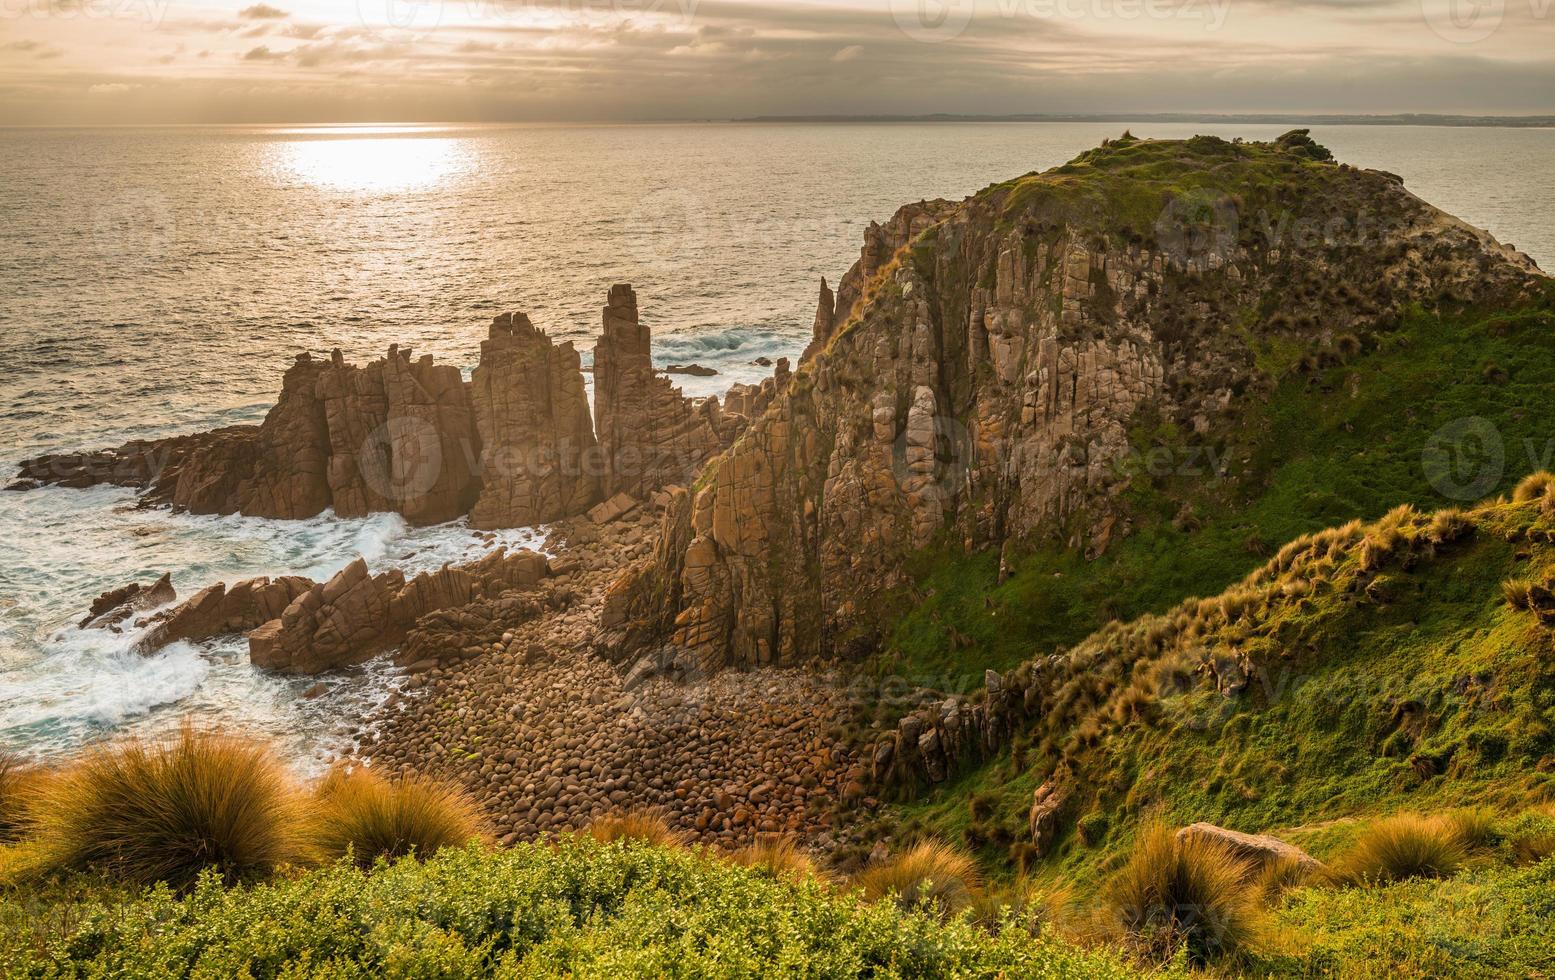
(1188, 893)
(929, 873)
(1535, 487)
(779, 856)
(19, 784)
(165, 811)
(1403, 846)
(1529, 837)
(1025, 901)
(1474, 828)
(363, 814)
(1518, 593)
(1281, 875)
(646, 826)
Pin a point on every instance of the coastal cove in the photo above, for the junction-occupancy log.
(242, 247)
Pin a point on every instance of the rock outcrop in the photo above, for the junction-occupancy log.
(115, 606)
(401, 438)
(221, 611)
(356, 615)
(1258, 850)
(881, 243)
(982, 391)
(513, 447)
(538, 456)
(650, 435)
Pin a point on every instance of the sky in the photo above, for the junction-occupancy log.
(67, 62)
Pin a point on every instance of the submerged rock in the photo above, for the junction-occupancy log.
(115, 606)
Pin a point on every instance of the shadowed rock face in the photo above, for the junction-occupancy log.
(402, 438)
(650, 435)
(981, 391)
(537, 439)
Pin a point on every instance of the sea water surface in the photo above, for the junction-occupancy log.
(155, 281)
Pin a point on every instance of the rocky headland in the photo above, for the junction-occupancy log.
(976, 384)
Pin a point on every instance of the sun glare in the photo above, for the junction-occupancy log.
(371, 165)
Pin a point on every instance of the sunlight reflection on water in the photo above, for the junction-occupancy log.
(373, 164)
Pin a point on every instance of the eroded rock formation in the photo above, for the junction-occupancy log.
(356, 614)
(115, 606)
(650, 435)
(983, 389)
(513, 447)
(220, 611)
(537, 439)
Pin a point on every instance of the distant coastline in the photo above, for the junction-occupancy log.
(1396, 119)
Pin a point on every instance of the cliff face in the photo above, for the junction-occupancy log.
(537, 440)
(982, 389)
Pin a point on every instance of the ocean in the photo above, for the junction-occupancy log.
(157, 281)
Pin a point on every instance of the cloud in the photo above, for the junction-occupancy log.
(848, 53)
(263, 53)
(262, 11)
(111, 88)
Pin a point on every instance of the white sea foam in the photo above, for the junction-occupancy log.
(62, 686)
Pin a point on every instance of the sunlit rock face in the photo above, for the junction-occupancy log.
(538, 452)
(979, 391)
(650, 435)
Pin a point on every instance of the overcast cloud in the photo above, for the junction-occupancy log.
(120, 61)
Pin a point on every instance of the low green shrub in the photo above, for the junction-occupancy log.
(574, 908)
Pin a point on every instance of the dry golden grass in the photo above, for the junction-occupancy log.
(1282, 875)
(369, 817)
(646, 826)
(1518, 593)
(19, 784)
(932, 873)
(780, 856)
(165, 811)
(1474, 828)
(1403, 846)
(1191, 893)
(1535, 487)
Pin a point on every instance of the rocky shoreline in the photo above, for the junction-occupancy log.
(976, 384)
(547, 736)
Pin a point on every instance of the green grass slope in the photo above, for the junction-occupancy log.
(1404, 664)
(1346, 434)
